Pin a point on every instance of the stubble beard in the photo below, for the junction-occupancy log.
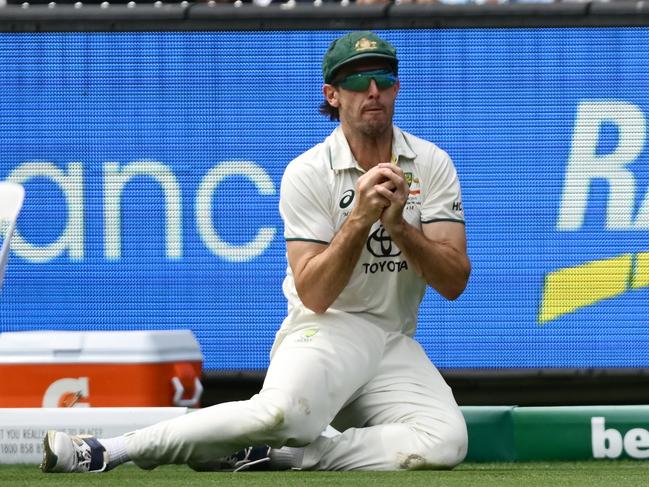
(375, 129)
(375, 126)
(369, 127)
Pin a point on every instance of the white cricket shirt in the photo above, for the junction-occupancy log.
(318, 193)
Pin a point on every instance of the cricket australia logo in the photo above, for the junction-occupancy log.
(380, 244)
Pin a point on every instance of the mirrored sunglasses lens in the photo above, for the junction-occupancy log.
(361, 82)
(385, 81)
(356, 83)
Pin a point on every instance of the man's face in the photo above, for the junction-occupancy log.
(370, 111)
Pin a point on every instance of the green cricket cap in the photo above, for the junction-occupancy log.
(354, 46)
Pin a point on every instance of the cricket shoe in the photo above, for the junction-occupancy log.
(63, 453)
(251, 458)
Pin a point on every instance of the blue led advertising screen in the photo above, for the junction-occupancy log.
(152, 164)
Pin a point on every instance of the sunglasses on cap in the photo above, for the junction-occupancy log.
(361, 81)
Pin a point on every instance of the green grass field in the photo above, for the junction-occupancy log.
(557, 474)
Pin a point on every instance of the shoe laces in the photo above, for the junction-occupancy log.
(242, 460)
(82, 453)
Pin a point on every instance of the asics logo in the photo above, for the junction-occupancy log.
(348, 197)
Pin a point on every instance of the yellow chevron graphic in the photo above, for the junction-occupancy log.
(641, 276)
(567, 290)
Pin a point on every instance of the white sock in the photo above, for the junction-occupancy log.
(286, 458)
(116, 449)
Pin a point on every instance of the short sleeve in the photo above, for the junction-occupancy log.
(441, 194)
(303, 205)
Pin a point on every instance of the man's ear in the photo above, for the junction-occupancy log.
(331, 95)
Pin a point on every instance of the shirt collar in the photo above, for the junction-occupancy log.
(342, 157)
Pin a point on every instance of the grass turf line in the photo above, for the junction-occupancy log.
(537, 474)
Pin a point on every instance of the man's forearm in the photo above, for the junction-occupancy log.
(324, 275)
(444, 267)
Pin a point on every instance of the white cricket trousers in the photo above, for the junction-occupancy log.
(379, 389)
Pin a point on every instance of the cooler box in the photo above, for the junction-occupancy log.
(93, 368)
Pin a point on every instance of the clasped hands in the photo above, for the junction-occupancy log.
(382, 194)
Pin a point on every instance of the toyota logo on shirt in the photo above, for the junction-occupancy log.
(380, 244)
